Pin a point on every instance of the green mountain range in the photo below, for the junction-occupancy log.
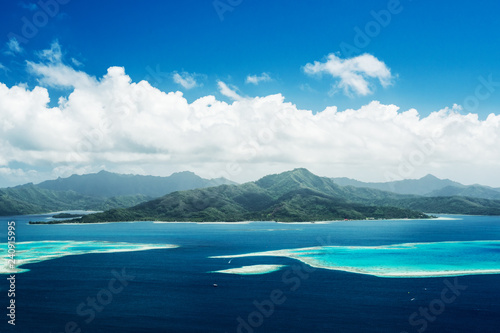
(107, 184)
(31, 199)
(100, 191)
(296, 195)
(427, 186)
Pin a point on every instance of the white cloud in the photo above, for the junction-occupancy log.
(2, 67)
(185, 79)
(52, 72)
(54, 54)
(228, 92)
(59, 75)
(13, 47)
(254, 79)
(76, 62)
(126, 126)
(353, 74)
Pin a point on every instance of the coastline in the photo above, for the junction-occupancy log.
(429, 218)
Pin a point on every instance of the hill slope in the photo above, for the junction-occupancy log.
(421, 186)
(474, 191)
(427, 186)
(30, 199)
(101, 191)
(296, 195)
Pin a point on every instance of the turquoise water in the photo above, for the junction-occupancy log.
(405, 260)
(173, 289)
(38, 251)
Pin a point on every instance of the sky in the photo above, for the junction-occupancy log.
(371, 90)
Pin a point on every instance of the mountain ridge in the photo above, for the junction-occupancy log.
(99, 191)
(291, 196)
(108, 184)
(428, 185)
(296, 195)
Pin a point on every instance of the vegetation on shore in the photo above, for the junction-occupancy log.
(292, 196)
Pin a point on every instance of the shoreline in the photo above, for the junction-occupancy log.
(68, 222)
(430, 217)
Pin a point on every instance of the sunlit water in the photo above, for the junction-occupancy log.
(399, 260)
(331, 277)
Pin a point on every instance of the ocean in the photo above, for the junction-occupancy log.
(221, 277)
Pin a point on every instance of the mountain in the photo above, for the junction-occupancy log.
(296, 195)
(101, 191)
(31, 199)
(107, 184)
(429, 185)
(421, 186)
(474, 191)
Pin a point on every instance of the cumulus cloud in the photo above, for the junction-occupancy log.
(352, 74)
(186, 80)
(114, 123)
(228, 92)
(254, 79)
(13, 47)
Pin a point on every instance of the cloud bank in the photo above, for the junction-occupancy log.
(132, 127)
(353, 74)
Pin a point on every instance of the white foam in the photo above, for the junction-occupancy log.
(251, 270)
(240, 222)
(38, 251)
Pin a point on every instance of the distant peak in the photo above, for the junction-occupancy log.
(301, 171)
(183, 173)
(429, 176)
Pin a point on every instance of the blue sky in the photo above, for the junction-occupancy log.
(435, 54)
(438, 50)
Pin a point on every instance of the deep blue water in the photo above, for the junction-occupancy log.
(172, 291)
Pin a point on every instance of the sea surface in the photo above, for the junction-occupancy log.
(438, 275)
